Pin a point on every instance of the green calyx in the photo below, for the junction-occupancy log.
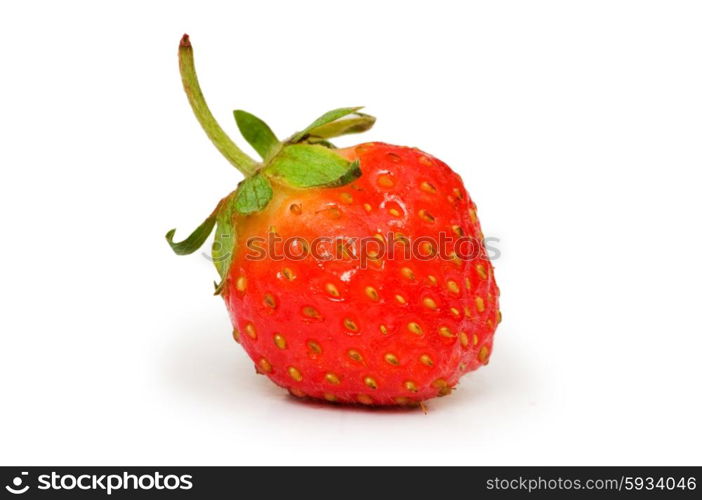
(306, 160)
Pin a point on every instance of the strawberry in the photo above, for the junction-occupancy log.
(352, 275)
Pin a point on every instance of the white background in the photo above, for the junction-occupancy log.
(575, 125)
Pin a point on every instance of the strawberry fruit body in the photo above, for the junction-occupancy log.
(352, 275)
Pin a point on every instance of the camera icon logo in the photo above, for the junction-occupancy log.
(16, 488)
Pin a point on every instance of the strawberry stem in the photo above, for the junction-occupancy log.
(241, 161)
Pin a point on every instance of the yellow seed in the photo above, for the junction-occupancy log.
(463, 337)
(479, 304)
(367, 207)
(407, 273)
(346, 198)
(425, 359)
(364, 399)
(445, 331)
(241, 283)
(427, 249)
(235, 335)
(432, 279)
(427, 187)
(472, 215)
(458, 230)
(250, 330)
(288, 274)
(370, 382)
(499, 317)
(350, 325)
(329, 397)
(445, 391)
(415, 328)
(456, 312)
(296, 209)
(425, 215)
(383, 329)
(429, 303)
(455, 258)
(344, 249)
(295, 374)
(394, 212)
(402, 239)
(392, 359)
(400, 299)
(355, 355)
(475, 339)
(411, 386)
(332, 378)
(310, 312)
(332, 290)
(331, 212)
(372, 293)
(297, 392)
(401, 400)
(280, 341)
(481, 271)
(379, 237)
(483, 354)
(269, 301)
(264, 365)
(453, 287)
(467, 284)
(385, 181)
(466, 311)
(424, 160)
(457, 193)
(314, 347)
(439, 383)
(373, 259)
(462, 367)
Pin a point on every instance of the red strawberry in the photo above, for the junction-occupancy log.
(353, 275)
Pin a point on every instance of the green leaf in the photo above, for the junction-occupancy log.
(256, 133)
(307, 165)
(252, 195)
(350, 124)
(196, 239)
(327, 117)
(320, 141)
(224, 242)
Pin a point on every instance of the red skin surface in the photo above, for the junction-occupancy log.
(389, 364)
